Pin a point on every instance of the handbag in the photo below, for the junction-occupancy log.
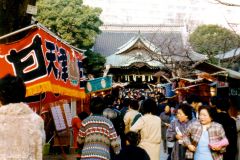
(222, 143)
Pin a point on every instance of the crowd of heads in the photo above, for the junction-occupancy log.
(155, 102)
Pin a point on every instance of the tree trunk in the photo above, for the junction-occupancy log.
(13, 16)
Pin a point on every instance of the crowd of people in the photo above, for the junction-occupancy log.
(139, 122)
(125, 128)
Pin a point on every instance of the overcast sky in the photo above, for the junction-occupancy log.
(161, 11)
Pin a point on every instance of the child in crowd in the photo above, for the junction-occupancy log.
(132, 151)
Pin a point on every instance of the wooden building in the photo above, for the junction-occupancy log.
(135, 53)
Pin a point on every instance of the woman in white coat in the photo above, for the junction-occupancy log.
(149, 126)
(21, 131)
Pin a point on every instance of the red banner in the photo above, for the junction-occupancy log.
(45, 63)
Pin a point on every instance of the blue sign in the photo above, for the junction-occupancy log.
(169, 92)
(98, 84)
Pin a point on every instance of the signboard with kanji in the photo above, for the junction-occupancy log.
(58, 118)
(45, 63)
(68, 114)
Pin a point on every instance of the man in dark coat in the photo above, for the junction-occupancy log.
(229, 126)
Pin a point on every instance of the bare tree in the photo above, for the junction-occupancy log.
(176, 57)
(227, 3)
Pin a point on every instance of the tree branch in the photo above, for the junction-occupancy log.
(228, 4)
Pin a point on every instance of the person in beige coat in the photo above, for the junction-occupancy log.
(149, 126)
(21, 131)
(130, 115)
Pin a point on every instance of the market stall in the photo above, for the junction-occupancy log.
(227, 82)
(51, 69)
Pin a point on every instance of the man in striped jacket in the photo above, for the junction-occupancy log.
(97, 134)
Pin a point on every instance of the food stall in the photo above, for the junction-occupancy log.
(52, 71)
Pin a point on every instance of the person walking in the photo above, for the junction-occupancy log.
(204, 138)
(238, 134)
(22, 132)
(194, 101)
(76, 124)
(170, 145)
(229, 126)
(149, 126)
(165, 117)
(177, 129)
(130, 114)
(97, 134)
(114, 115)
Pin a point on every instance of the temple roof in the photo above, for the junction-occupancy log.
(135, 51)
(138, 40)
(230, 54)
(108, 42)
(122, 47)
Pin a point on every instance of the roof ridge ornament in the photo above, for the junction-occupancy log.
(139, 33)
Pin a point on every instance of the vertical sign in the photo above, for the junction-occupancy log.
(68, 114)
(58, 118)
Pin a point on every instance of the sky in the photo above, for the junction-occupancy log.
(166, 11)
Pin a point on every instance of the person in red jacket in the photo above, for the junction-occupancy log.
(76, 124)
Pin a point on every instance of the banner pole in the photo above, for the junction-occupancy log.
(17, 31)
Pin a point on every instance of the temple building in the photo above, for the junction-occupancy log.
(135, 53)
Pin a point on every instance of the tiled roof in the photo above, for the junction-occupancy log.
(142, 27)
(120, 45)
(230, 54)
(137, 50)
(108, 42)
(137, 40)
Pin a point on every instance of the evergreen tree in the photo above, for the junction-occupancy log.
(213, 39)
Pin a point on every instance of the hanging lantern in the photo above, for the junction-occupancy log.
(213, 91)
(143, 78)
(134, 78)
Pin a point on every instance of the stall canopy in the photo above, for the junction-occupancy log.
(45, 63)
(217, 70)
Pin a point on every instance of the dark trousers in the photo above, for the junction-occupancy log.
(165, 145)
(169, 153)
